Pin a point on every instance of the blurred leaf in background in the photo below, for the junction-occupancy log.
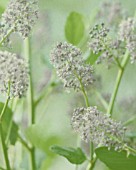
(74, 28)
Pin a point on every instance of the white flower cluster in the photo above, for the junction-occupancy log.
(70, 66)
(127, 33)
(100, 43)
(97, 127)
(13, 74)
(20, 16)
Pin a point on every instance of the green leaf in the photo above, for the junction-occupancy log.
(74, 28)
(7, 123)
(13, 134)
(116, 160)
(75, 156)
(1, 10)
(92, 58)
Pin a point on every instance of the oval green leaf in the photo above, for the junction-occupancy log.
(74, 28)
(92, 58)
(75, 156)
(116, 160)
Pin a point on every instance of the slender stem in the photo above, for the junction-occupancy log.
(92, 164)
(102, 100)
(118, 63)
(85, 97)
(4, 148)
(31, 93)
(27, 49)
(87, 105)
(47, 91)
(131, 149)
(4, 109)
(4, 38)
(84, 92)
(129, 121)
(24, 142)
(92, 151)
(117, 83)
(2, 136)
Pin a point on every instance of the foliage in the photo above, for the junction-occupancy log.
(37, 115)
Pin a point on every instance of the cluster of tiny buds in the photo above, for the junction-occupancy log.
(93, 125)
(14, 76)
(98, 35)
(127, 33)
(20, 16)
(100, 43)
(71, 68)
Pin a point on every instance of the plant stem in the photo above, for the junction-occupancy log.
(87, 105)
(24, 142)
(46, 92)
(117, 83)
(92, 164)
(3, 138)
(131, 149)
(129, 121)
(31, 93)
(102, 100)
(4, 38)
(27, 51)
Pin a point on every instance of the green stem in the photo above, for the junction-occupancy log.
(129, 121)
(46, 92)
(131, 149)
(102, 100)
(92, 150)
(92, 164)
(4, 38)
(3, 138)
(24, 143)
(27, 51)
(87, 105)
(118, 63)
(117, 83)
(4, 109)
(31, 93)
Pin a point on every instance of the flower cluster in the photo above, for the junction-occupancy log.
(126, 29)
(100, 43)
(111, 49)
(20, 16)
(70, 66)
(127, 33)
(13, 74)
(97, 127)
(98, 35)
(111, 13)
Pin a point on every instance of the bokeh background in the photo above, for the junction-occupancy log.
(53, 114)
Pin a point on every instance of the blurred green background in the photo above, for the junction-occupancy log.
(53, 113)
